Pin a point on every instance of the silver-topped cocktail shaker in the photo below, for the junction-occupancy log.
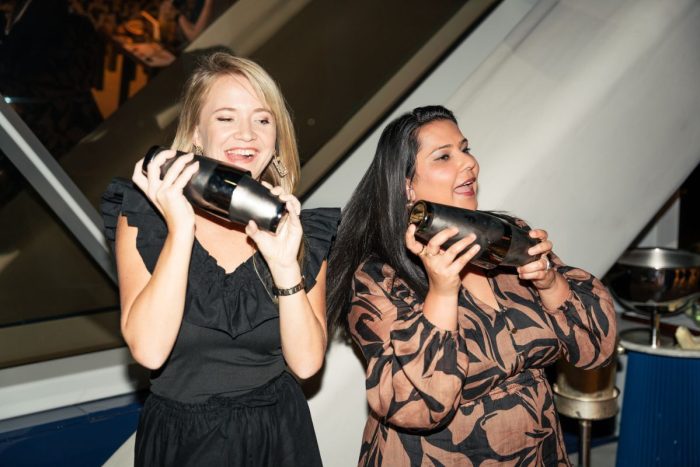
(227, 192)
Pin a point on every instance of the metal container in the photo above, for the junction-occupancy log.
(502, 243)
(226, 192)
(659, 280)
(656, 281)
(586, 395)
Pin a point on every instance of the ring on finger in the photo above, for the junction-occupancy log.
(548, 263)
(427, 253)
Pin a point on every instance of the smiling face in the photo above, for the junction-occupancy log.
(235, 126)
(445, 171)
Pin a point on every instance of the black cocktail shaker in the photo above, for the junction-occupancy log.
(502, 243)
(227, 192)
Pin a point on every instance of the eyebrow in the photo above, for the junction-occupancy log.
(446, 146)
(233, 109)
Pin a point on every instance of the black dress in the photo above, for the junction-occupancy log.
(224, 396)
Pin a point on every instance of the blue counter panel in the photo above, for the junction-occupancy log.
(80, 435)
(660, 423)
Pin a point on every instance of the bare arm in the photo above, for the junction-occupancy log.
(303, 323)
(153, 305)
(190, 30)
(302, 315)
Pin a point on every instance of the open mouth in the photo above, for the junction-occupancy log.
(467, 188)
(240, 155)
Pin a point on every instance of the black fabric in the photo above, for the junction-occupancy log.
(229, 341)
(270, 426)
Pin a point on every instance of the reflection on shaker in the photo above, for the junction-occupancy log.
(227, 192)
(502, 243)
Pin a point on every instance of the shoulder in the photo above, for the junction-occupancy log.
(122, 197)
(321, 223)
(374, 276)
(320, 226)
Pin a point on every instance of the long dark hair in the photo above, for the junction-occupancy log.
(374, 221)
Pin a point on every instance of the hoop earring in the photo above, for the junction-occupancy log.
(197, 150)
(279, 165)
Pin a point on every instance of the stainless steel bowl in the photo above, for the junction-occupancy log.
(659, 280)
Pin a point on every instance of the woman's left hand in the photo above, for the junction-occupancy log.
(540, 271)
(280, 249)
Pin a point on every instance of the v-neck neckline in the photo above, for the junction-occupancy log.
(211, 258)
(479, 302)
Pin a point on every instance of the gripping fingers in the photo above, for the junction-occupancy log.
(293, 203)
(534, 270)
(413, 245)
(293, 213)
(138, 177)
(460, 246)
(462, 260)
(277, 190)
(252, 230)
(441, 237)
(176, 169)
(185, 176)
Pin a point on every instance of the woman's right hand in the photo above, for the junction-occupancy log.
(443, 267)
(166, 194)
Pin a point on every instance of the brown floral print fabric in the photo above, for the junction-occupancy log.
(476, 396)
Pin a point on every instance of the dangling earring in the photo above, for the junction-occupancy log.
(411, 198)
(197, 150)
(279, 166)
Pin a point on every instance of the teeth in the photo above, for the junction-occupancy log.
(240, 152)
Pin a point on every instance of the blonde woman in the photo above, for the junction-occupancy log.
(222, 314)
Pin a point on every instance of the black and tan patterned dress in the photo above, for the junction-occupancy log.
(478, 395)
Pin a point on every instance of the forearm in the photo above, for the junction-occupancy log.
(192, 30)
(421, 360)
(152, 321)
(441, 310)
(554, 296)
(303, 334)
(584, 322)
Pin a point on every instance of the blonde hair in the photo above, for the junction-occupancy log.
(212, 66)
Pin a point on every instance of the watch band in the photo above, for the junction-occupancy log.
(291, 290)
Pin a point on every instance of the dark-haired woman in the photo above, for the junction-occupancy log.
(455, 354)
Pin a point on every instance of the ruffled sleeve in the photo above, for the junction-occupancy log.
(585, 324)
(123, 198)
(320, 226)
(415, 370)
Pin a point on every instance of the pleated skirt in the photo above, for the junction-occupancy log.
(269, 426)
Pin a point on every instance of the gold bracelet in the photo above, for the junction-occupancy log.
(291, 290)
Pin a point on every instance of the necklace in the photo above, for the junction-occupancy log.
(273, 298)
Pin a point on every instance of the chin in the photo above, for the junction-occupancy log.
(470, 204)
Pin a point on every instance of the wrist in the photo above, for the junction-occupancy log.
(181, 235)
(553, 296)
(286, 277)
(286, 291)
(549, 283)
(442, 292)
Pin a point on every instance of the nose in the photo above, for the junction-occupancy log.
(244, 131)
(468, 163)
